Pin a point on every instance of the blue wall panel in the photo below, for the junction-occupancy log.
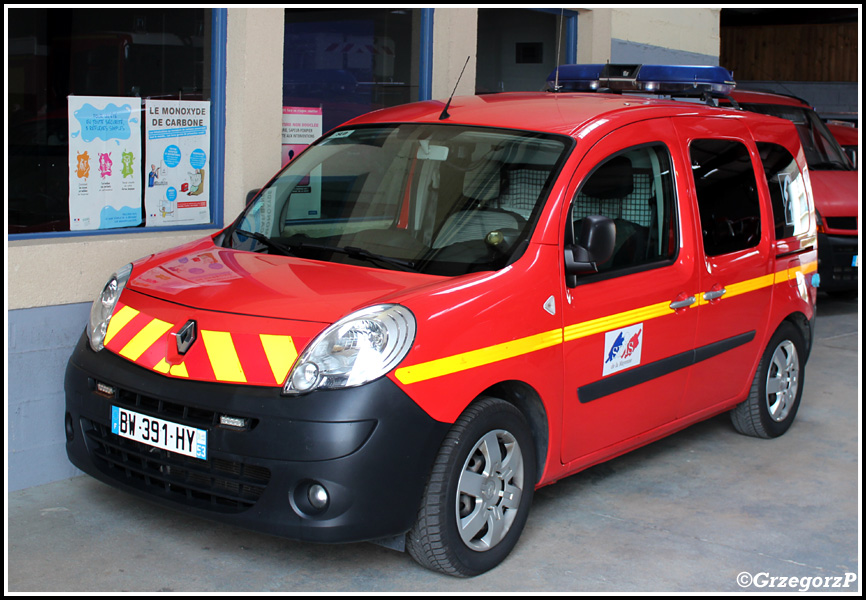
(40, 341)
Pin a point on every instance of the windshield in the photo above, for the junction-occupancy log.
(822, 151)
(437, 199)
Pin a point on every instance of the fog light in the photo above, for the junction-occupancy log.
(106, 390)
(318, 496)
(233, 422)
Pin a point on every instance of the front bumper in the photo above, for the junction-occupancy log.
(371, 447)
(836, 261)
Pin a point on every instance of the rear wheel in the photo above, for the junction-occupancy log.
(478, 496)
(776, 390)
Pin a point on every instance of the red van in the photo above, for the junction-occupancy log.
(848, 137)
(437, 308)
(834, 185)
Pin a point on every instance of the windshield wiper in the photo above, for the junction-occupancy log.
(260, 237)
(361, 253)
(350, 251)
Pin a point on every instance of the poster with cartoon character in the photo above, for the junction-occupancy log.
(104, 162)
(177, 138)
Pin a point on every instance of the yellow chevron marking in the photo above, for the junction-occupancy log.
(179, 370)
(223, 356)
(117, 322)
(281, 353)
(144, 339)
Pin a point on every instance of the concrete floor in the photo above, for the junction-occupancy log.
(705, 510)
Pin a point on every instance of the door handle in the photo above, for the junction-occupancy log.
(682, 302)
(715, 293)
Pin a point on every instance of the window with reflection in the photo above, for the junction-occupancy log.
(52, 53)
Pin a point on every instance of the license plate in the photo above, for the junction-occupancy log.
(159, 433)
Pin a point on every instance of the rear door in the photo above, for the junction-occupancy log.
(736, 270)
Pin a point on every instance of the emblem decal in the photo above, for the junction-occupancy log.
(185, 337)
(622, 348)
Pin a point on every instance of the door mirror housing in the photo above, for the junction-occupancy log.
(598, 235)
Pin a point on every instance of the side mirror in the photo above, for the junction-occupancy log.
(251, 195)
(598, 235)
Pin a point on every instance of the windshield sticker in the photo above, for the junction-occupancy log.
(622, 348)
(341, 134)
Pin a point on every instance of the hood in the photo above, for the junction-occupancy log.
(205, 276)
(835, 193)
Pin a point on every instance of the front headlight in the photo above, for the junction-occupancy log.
(103, 307)
(354, 350)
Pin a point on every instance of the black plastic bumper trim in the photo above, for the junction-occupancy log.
(371, 447)
(632, 377)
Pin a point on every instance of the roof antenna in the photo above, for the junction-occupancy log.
(445, 114)
(558, 43)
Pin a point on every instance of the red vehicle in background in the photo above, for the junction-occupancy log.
(834, 185)
(848, 137)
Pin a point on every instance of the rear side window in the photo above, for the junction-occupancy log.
(635, 188)
(787, 190)
(727, 195)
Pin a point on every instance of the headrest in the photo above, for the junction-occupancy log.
(611, 180)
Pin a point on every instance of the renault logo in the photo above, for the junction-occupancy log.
(185, 338)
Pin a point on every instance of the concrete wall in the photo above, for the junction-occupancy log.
(649, 35)
(51, 282)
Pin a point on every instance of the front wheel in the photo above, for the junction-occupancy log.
(478, 496)
(776, 390)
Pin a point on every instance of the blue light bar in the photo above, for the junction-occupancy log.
(653, 79)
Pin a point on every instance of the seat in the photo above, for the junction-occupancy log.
(475, 224)
(607, 192)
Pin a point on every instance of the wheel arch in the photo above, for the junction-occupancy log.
(804, 325)
(527, 400)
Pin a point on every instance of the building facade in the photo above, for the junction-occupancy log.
(265, 81)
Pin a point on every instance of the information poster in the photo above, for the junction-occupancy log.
(177, 165)
(301, 127)
(104, 162)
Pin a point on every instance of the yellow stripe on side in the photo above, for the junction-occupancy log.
(223, 356)
(751, 285)
(600, 325)
(144, 339)
(744, 287)
(810, 266)
(117, 322)
(478, 358)
(281, 353)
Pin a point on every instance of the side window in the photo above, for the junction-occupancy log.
(787, 190)
(727, 195)
(635, 188)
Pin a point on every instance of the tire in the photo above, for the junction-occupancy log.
(479, 493)
(774, 398)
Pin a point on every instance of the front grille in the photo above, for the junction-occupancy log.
(170, 411)
(214, 484)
